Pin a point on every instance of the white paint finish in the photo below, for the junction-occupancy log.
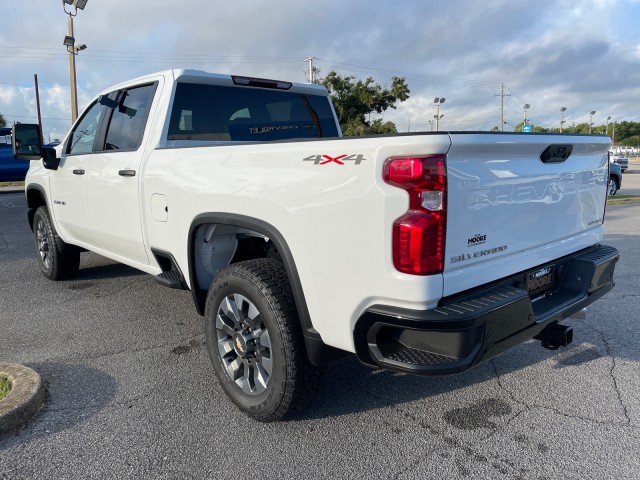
(159, 208)
(68, 200)
(527, 212)
(114, 205)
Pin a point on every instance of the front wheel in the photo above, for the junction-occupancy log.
(255, 340)
(57, 260)
(613, 186)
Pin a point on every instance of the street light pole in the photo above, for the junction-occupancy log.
(438, 101)
(526, 107)
(562, 120)
(591, 114)
(613, 135)
(606, 128)
(69, 42)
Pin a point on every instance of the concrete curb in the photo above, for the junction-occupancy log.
(25, 398)
(12, 189)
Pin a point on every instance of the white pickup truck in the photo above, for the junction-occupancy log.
(422, 253)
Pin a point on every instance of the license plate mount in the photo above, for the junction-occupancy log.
(540, 282)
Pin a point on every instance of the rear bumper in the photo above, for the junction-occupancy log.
(472, 327)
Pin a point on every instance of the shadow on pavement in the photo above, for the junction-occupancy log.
(74, 393)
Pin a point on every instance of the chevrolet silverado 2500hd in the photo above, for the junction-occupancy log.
(422, 253)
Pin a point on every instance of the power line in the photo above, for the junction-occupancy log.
(62, 87)
(33, 116)
(428, 77)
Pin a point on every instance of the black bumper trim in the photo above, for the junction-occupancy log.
(472, 327)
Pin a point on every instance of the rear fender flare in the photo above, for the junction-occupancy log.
(263, 228)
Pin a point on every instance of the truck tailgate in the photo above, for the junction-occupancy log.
(511, 208)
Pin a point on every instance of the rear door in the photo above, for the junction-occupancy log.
(517, 201)
(113, 176)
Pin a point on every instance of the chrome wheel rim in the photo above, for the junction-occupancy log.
(42, 242)
(612, 186)
(244, 345)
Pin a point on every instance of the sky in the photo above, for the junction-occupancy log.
(583, 55)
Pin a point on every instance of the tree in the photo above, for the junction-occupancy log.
(3, 122)
(354, 101)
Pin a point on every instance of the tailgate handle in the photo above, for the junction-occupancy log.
(556, 153)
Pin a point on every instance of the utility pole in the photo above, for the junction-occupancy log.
(562, 120)
(502, 95)
(312, 70)
(35, 79)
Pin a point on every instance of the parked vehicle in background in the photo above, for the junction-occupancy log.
(621, 160)
(11, 169)
(615, 178)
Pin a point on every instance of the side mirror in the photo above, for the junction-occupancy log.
(49, 158)
(26, 141)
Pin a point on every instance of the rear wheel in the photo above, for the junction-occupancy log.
(57, 260)
(255, 340)
(613, 186)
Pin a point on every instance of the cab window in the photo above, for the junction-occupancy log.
(128, 120)
(84, 134)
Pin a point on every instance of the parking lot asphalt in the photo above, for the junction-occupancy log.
(131, 393)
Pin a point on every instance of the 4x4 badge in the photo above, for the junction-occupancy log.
(340, 159)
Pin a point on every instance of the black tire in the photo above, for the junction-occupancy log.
(613, 187)
(255, 341)
(57, 260)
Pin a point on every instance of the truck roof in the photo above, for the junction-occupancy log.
(200, 76)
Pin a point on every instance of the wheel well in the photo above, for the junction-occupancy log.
(236, 238)
(35, 199)
(216, 246)
(220, 239)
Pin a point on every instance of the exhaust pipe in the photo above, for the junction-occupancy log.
(556, 335)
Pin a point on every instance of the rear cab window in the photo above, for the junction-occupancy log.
(216, 113)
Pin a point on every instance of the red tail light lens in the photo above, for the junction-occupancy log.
(419, 235)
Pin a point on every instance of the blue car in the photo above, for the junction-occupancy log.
(11, 169)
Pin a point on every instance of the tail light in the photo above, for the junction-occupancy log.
(419, 235)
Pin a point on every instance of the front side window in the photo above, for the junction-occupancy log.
(83, 136)
(214, 112)
(128, 119)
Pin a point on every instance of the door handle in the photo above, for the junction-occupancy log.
(78, 171)
(127, 173)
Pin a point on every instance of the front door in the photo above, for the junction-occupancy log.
(68, 183)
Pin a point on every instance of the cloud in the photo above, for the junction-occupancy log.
(550, 53)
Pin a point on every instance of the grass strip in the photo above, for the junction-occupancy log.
(623, 199)
(5, 386)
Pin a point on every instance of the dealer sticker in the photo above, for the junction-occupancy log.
(540, 281)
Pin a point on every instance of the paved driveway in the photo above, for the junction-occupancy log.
(131, 393)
